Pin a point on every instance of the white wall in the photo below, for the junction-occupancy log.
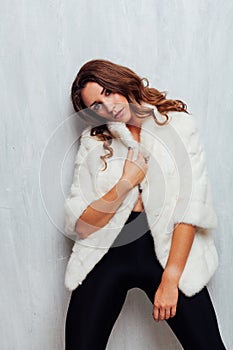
(183, 47)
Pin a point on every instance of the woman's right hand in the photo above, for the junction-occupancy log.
(134, 171)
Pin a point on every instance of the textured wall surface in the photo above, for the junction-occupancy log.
(183, 47)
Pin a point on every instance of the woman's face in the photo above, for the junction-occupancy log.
(109, 105)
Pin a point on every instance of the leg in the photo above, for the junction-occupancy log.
(195, 323)
(95, 306)
(96, 303)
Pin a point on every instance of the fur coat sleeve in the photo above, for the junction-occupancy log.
(195, 202)
(79, 196)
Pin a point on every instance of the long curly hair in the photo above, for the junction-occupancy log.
(122, 80)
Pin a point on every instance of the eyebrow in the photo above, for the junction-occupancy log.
(95, 101)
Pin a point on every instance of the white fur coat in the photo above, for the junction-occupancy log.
(175, 189)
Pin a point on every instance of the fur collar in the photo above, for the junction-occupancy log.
(121, 131)
(148, 127)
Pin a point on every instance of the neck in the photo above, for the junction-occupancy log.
(135, 129)
(135, 123)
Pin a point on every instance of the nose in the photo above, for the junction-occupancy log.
(109, 106)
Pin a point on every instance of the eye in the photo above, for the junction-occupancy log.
(107, 92)
(96, 106)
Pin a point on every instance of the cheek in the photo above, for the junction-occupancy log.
(120, 98)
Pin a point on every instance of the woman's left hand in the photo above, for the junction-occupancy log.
(165, 301)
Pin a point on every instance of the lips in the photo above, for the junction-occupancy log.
(119, 114)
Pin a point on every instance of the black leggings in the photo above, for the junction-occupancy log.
(96, 303)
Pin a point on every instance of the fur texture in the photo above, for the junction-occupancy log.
(175, 189)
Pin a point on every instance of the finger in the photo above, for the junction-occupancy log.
(130, 153)
(168, 313)
(162, 314)
(156, 313)
(173, 311)
(141, 161)
(140, 155)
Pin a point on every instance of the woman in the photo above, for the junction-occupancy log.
(134, 224)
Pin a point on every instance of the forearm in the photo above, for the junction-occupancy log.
(182, 240)
(99, 212)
